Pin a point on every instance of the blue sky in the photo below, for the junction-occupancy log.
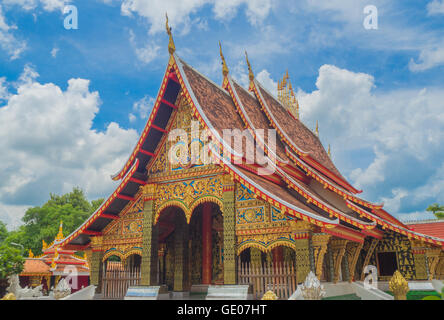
(72, 102)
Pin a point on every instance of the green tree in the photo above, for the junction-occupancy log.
(42, 223)
(437, 210)
(3, 232)
(11, 261)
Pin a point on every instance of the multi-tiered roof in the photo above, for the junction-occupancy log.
(305, 184)
(54, 260)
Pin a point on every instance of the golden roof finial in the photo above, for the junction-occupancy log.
(44, 245)
(329, 151)
(31, 254)
(171, 46)
(250, 70)
(317, 128)
(225, 70)
(60, 234)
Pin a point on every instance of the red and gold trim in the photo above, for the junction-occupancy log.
(149, 125)
(103, 207)
(328, 185)
(320, 204)
(300, 153)
(346, 233)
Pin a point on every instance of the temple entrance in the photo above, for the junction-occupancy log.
(190, 254)
(119, 274)
(273, 270)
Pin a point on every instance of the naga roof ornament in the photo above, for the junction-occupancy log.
(225, 70)
(250, 70)
(171, 46)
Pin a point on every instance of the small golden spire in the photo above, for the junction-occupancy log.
(329, 151)
(250, 70)
(44, 245)
(171, 46)
(31, 254)
(225, 70)
(317, 128)
(60, 234)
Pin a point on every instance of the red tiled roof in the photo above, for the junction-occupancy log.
(430, 228)
(35, 266)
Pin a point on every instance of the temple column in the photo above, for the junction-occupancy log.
(420, 258)
(180, 256)
(353, 252)
(207, 254)
(96, 267)
(433, 255)
(320, 245)
(278, 254)
(368, 256)
(229, 213)
(303, 249)
(338, 247)
(149, 238)
(255, 257)
(303, 261)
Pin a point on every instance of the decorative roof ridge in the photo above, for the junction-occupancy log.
(401, 229)
(120, 174)
(339, 189)
(293, 144)
(251, 94)
(96, 214)
(187, 85)
(267, 193)
(427, 221)
(249, 122)
(202, 75)
(230, 167)
(319, 202)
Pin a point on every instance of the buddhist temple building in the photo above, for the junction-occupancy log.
(53, 264)
(185, 219)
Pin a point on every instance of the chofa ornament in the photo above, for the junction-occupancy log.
(312, 289)
(270, 295)
(399, 286)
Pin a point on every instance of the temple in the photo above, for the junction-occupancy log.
(54, 264)
(185, 221)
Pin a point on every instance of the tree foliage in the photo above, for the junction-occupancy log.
(437, 210)
(42, 223)
(3, 232)
(11, 261)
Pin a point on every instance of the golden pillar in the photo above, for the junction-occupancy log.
(353, 251)
(320, 246)
(433, 255)
(149, 238)
(338, 247)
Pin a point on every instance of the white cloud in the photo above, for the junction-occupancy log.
(394, 138)
(48, 144)
(12, 215)
(256, 10)
(428, 58)
(145, 54)
(8, 42)
(4, 94)
(48, 5)
(143, 107)
(435, 7)
(54, 52)
(265, 79)
(179, 12)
